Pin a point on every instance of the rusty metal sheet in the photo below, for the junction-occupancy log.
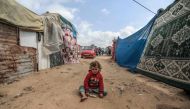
(8, 37)
(14, 60)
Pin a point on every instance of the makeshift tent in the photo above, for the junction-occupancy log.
(14, 13)
(166, 56)
(28, 26)
(18, 45)
(59, 39)
(129, 50)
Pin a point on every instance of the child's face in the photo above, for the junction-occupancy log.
(95, 70)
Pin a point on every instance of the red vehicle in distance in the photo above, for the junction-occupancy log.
(88, 52)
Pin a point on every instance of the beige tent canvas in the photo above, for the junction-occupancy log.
(14, 13)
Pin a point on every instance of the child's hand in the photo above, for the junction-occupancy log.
(101, 95)
(87, 94)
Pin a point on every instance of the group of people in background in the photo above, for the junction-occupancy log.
(101, 51)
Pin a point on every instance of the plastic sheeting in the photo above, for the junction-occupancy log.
(53, 33)
(56, 28)
(59, 40)
(14, 13)
(129, 50)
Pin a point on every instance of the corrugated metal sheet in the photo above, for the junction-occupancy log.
(14, 60)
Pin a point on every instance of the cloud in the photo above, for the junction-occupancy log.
(100, 38)
(68, 13)
(128, 30)
(105, 11)
(30, 3)
(42, 6)
(78, 1)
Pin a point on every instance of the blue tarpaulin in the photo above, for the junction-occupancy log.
(129, 50)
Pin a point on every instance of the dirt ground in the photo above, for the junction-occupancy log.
(57, 88)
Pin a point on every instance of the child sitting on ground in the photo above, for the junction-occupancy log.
(93, 83)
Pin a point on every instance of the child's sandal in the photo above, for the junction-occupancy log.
(83, 99)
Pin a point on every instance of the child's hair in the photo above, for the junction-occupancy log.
(95, 64)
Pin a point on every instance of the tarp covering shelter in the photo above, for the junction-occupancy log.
(166, 56)
(56, 27)
(18, 44)
(14, 13)
(59, 39)
(53, 33)
(129, 50)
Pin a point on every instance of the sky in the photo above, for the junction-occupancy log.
(100, 21)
